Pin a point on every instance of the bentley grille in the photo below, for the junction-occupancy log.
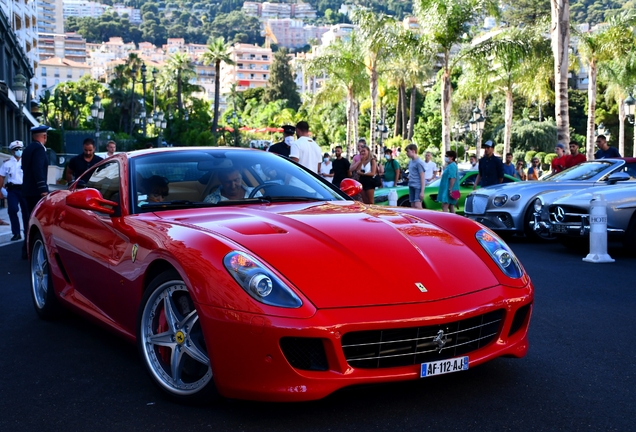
(476, 204)
(414, 345)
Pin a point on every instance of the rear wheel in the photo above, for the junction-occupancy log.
(404, 202)
(171, 343)
(44, 300)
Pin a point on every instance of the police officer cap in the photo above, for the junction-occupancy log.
(289, 129)
(15, 145)
(39, 129)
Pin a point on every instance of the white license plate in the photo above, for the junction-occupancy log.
(442, 367)
(558, 228)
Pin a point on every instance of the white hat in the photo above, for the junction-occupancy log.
(16, 144)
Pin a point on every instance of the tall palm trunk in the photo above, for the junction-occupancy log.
(560, 32)
(398, 113)
(412, 112)
(481, 103)
(508, 120)
(621, 125)
(591, 109)
(403, 109)
(350, 113)
(446, 103)
(373, 87)
(217, 91)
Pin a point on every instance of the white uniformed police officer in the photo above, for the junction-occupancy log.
(11, 179)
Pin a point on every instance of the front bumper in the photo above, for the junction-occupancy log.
(248, 362)
(496, 221)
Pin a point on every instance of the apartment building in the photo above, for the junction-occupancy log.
(293, 33)
(83, 8)
(57, 70)
(250, 69)
(50, 16)
(22, 17)
(268, 10)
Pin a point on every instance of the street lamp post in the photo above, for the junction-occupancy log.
(382, 132)
(154, 88)
(602, 130)
(20, 91)
(143, 111)
(160, 123)
(133, 73)
(630, 109)
(97, 112)
(237, 122)
(476, 125)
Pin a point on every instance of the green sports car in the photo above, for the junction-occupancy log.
(381, 195)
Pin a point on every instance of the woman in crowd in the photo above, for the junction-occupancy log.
(367, 169)
(326, 168)
(520, 172)
(448, 193)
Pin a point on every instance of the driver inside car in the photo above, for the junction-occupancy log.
(231, 188)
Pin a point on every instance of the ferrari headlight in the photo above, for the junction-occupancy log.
(259, 282)
(538, 205)
(500, 253)
(499, 200)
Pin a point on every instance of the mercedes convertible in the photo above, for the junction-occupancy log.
(239, 273)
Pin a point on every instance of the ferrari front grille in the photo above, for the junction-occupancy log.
(414, 345)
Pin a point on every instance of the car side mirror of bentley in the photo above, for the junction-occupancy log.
(350, 187)
(617, 177)
(90, 199)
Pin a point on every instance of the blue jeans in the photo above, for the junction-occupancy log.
(414, 193)
(15, 199)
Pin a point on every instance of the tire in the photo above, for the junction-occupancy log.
(170, 341)
(531, 233)
(46, 304)
(404, 202)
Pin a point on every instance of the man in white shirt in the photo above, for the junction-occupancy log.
(430, 167)
(306, 152)
(11, 181)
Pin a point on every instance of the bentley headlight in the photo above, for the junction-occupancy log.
(499, 200)
(538, 205)
(500, 253)
(259, 282)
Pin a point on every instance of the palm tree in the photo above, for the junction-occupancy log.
(181, 68)
(560, 36)
(507, 50)
(611, 41)
(619, 75)
(444, 24)
(216, 54)
(378, 34)
(343, 64)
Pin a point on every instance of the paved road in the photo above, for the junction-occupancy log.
(579, 374)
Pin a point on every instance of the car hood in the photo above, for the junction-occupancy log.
(531, 187)
(617, 195)
(344, 254)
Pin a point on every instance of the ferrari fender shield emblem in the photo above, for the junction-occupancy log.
(134, 252)
(421, 287)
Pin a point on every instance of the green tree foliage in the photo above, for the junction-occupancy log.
(525, 12)
(281, 85)
(593, 11)
(531, 135)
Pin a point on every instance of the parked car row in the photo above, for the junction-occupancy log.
(558, 207)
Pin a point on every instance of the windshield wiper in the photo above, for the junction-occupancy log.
(293, 198)
(190, 204)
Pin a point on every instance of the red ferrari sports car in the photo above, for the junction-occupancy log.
(240, 273)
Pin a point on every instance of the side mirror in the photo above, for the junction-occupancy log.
(350, 187)
(90, 199)
(619, 176)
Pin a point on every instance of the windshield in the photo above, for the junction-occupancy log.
(215, 177)
(584, 171)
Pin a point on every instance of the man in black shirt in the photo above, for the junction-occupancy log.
(282, 147)
(80, 163)
(491, 169)
(340, 167)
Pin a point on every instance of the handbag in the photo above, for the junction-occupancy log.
(455, 194)
(377, 180)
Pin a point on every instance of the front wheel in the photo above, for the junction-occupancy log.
(542, 236)
(171, 343)
(44, 300)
